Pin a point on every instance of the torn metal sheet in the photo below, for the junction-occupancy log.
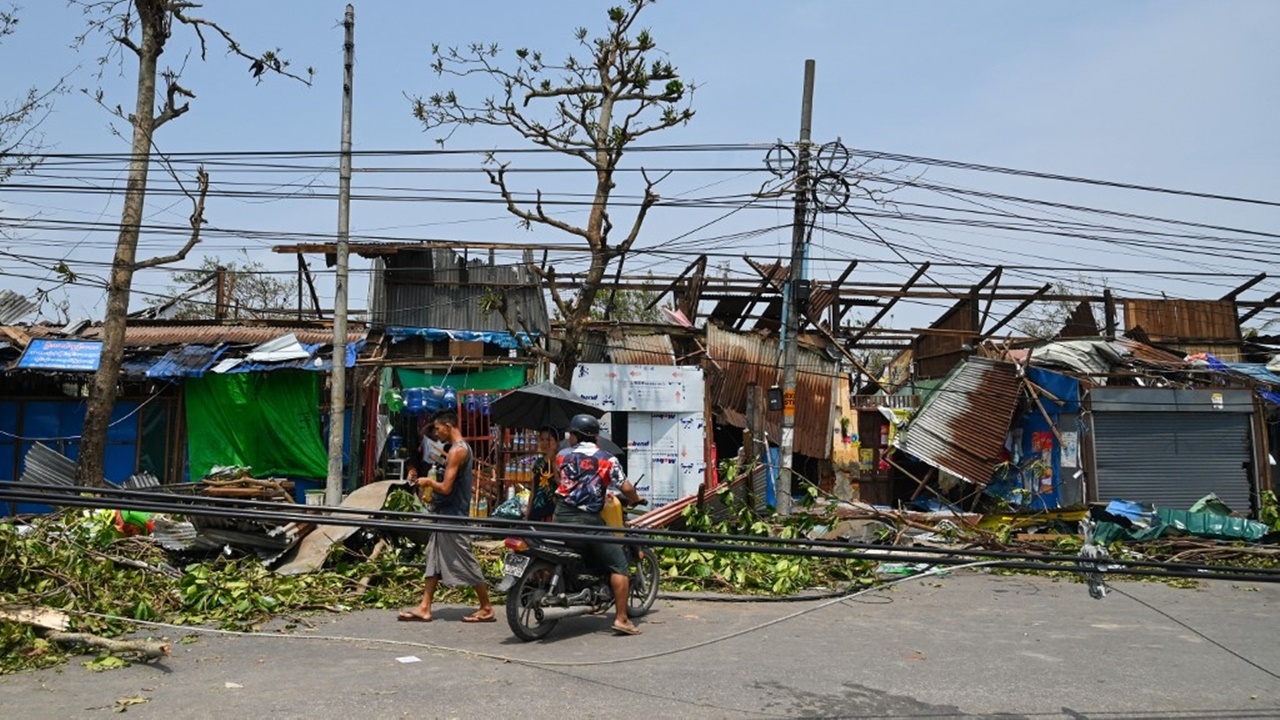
(14, 307)
(310, 554)
(186, 361)
(285, 347)
(249, 535)
(46, 466)
(178, 535)
(961, 426)
(142, 481)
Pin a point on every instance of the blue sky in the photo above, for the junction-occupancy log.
(1172, 94)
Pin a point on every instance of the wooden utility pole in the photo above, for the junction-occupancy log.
(338, 376)
(220, 294)
(795, 281)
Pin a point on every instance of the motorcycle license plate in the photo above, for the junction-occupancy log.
(514, 565)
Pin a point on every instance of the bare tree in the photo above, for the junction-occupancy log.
(1048, 319)
(20, 118)
(143, 28)
(596, 107)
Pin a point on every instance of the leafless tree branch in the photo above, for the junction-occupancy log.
(259, 65)
(197, 222)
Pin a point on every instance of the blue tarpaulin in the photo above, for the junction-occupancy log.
(1253, 371)
(500, 338)
(1037, 455)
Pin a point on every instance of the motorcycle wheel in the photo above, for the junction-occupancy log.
(644, 581)
(525, 600)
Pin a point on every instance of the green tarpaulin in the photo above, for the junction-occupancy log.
(269, 422)
(502, 378)
(1185, 522)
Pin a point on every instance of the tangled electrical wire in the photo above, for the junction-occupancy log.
(395, 521)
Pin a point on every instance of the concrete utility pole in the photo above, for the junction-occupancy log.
(338, 378)
(794, 295)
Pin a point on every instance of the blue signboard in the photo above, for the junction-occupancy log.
(47, 354)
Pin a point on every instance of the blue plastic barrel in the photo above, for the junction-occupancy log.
(415, 400)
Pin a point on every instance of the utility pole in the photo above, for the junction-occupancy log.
(338, 378)
(794, 295)
(220, 294)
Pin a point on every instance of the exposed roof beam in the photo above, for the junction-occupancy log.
(884, 309)
(1014, 313)
(1248, 284)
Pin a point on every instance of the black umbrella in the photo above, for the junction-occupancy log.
(533, 406)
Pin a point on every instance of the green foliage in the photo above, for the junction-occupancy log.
(1270, 514)
(401, 500)
(627, 306)
(747, 572)
(592, 107)
(102, 663)
(75, 562)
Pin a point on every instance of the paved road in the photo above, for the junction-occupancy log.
(964, 645)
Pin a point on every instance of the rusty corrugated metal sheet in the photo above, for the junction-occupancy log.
(821, 298)
(153, 334)
(629, 349)
(738, 360)
(961, 426)
(1147, 355)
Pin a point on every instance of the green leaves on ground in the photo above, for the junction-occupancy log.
(75, 562)
(747, 572)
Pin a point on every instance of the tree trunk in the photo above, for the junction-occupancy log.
(567, 359)
(102, 394)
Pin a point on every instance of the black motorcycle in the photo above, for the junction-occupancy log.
(548, 580)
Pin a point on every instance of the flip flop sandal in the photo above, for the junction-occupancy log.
(474, 618)
(625, 630)
(412, 617)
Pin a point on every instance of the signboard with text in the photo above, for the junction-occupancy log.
(69, 355)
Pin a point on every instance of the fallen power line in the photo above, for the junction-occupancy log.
(111, 498)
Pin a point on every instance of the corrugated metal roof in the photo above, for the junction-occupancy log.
(629, 349)
(738, 360)
(14, 307)
(142, 481)
(961, 426)
(1148, 355)
(186, 361)
(45, 466)
(148, 334)
(439, 289)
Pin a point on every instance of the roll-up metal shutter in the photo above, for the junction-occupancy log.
(1172, 459)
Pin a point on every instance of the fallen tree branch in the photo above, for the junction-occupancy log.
(52, 625)
(147, 649)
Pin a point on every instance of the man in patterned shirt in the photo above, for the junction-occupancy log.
(586, 473)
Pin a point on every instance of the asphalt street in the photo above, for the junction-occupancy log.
(968, 644)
